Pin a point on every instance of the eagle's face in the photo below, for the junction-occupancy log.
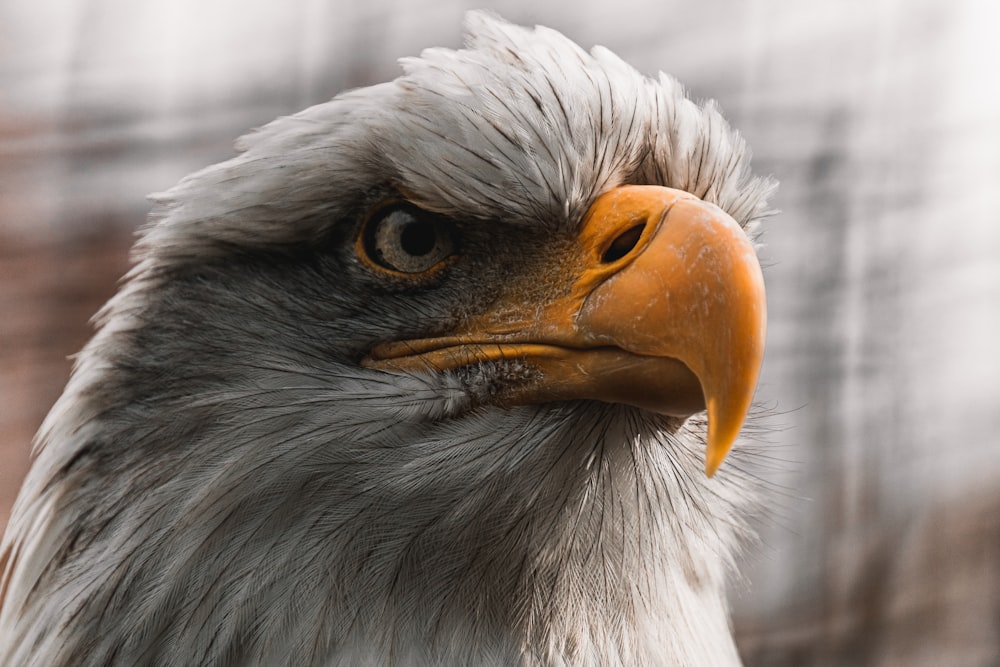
(414, 376)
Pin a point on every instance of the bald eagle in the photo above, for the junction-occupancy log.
(429, 374)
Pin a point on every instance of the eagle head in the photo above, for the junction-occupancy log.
(425, 375)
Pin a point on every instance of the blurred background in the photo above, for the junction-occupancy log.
(881, 119)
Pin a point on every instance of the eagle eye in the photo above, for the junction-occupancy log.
(402, 238)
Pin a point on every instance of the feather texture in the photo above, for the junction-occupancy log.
(221, 483)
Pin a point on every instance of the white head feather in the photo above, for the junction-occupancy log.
(219, 484)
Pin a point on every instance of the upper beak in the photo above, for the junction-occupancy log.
(667, 314)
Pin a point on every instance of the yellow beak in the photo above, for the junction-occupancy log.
(667, 314)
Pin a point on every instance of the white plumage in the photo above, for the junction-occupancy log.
(226, 482)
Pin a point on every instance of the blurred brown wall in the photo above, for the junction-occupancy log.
(49, 288)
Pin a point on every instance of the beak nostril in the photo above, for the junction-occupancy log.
(623, 243)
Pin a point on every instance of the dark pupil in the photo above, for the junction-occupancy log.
(417, 238)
